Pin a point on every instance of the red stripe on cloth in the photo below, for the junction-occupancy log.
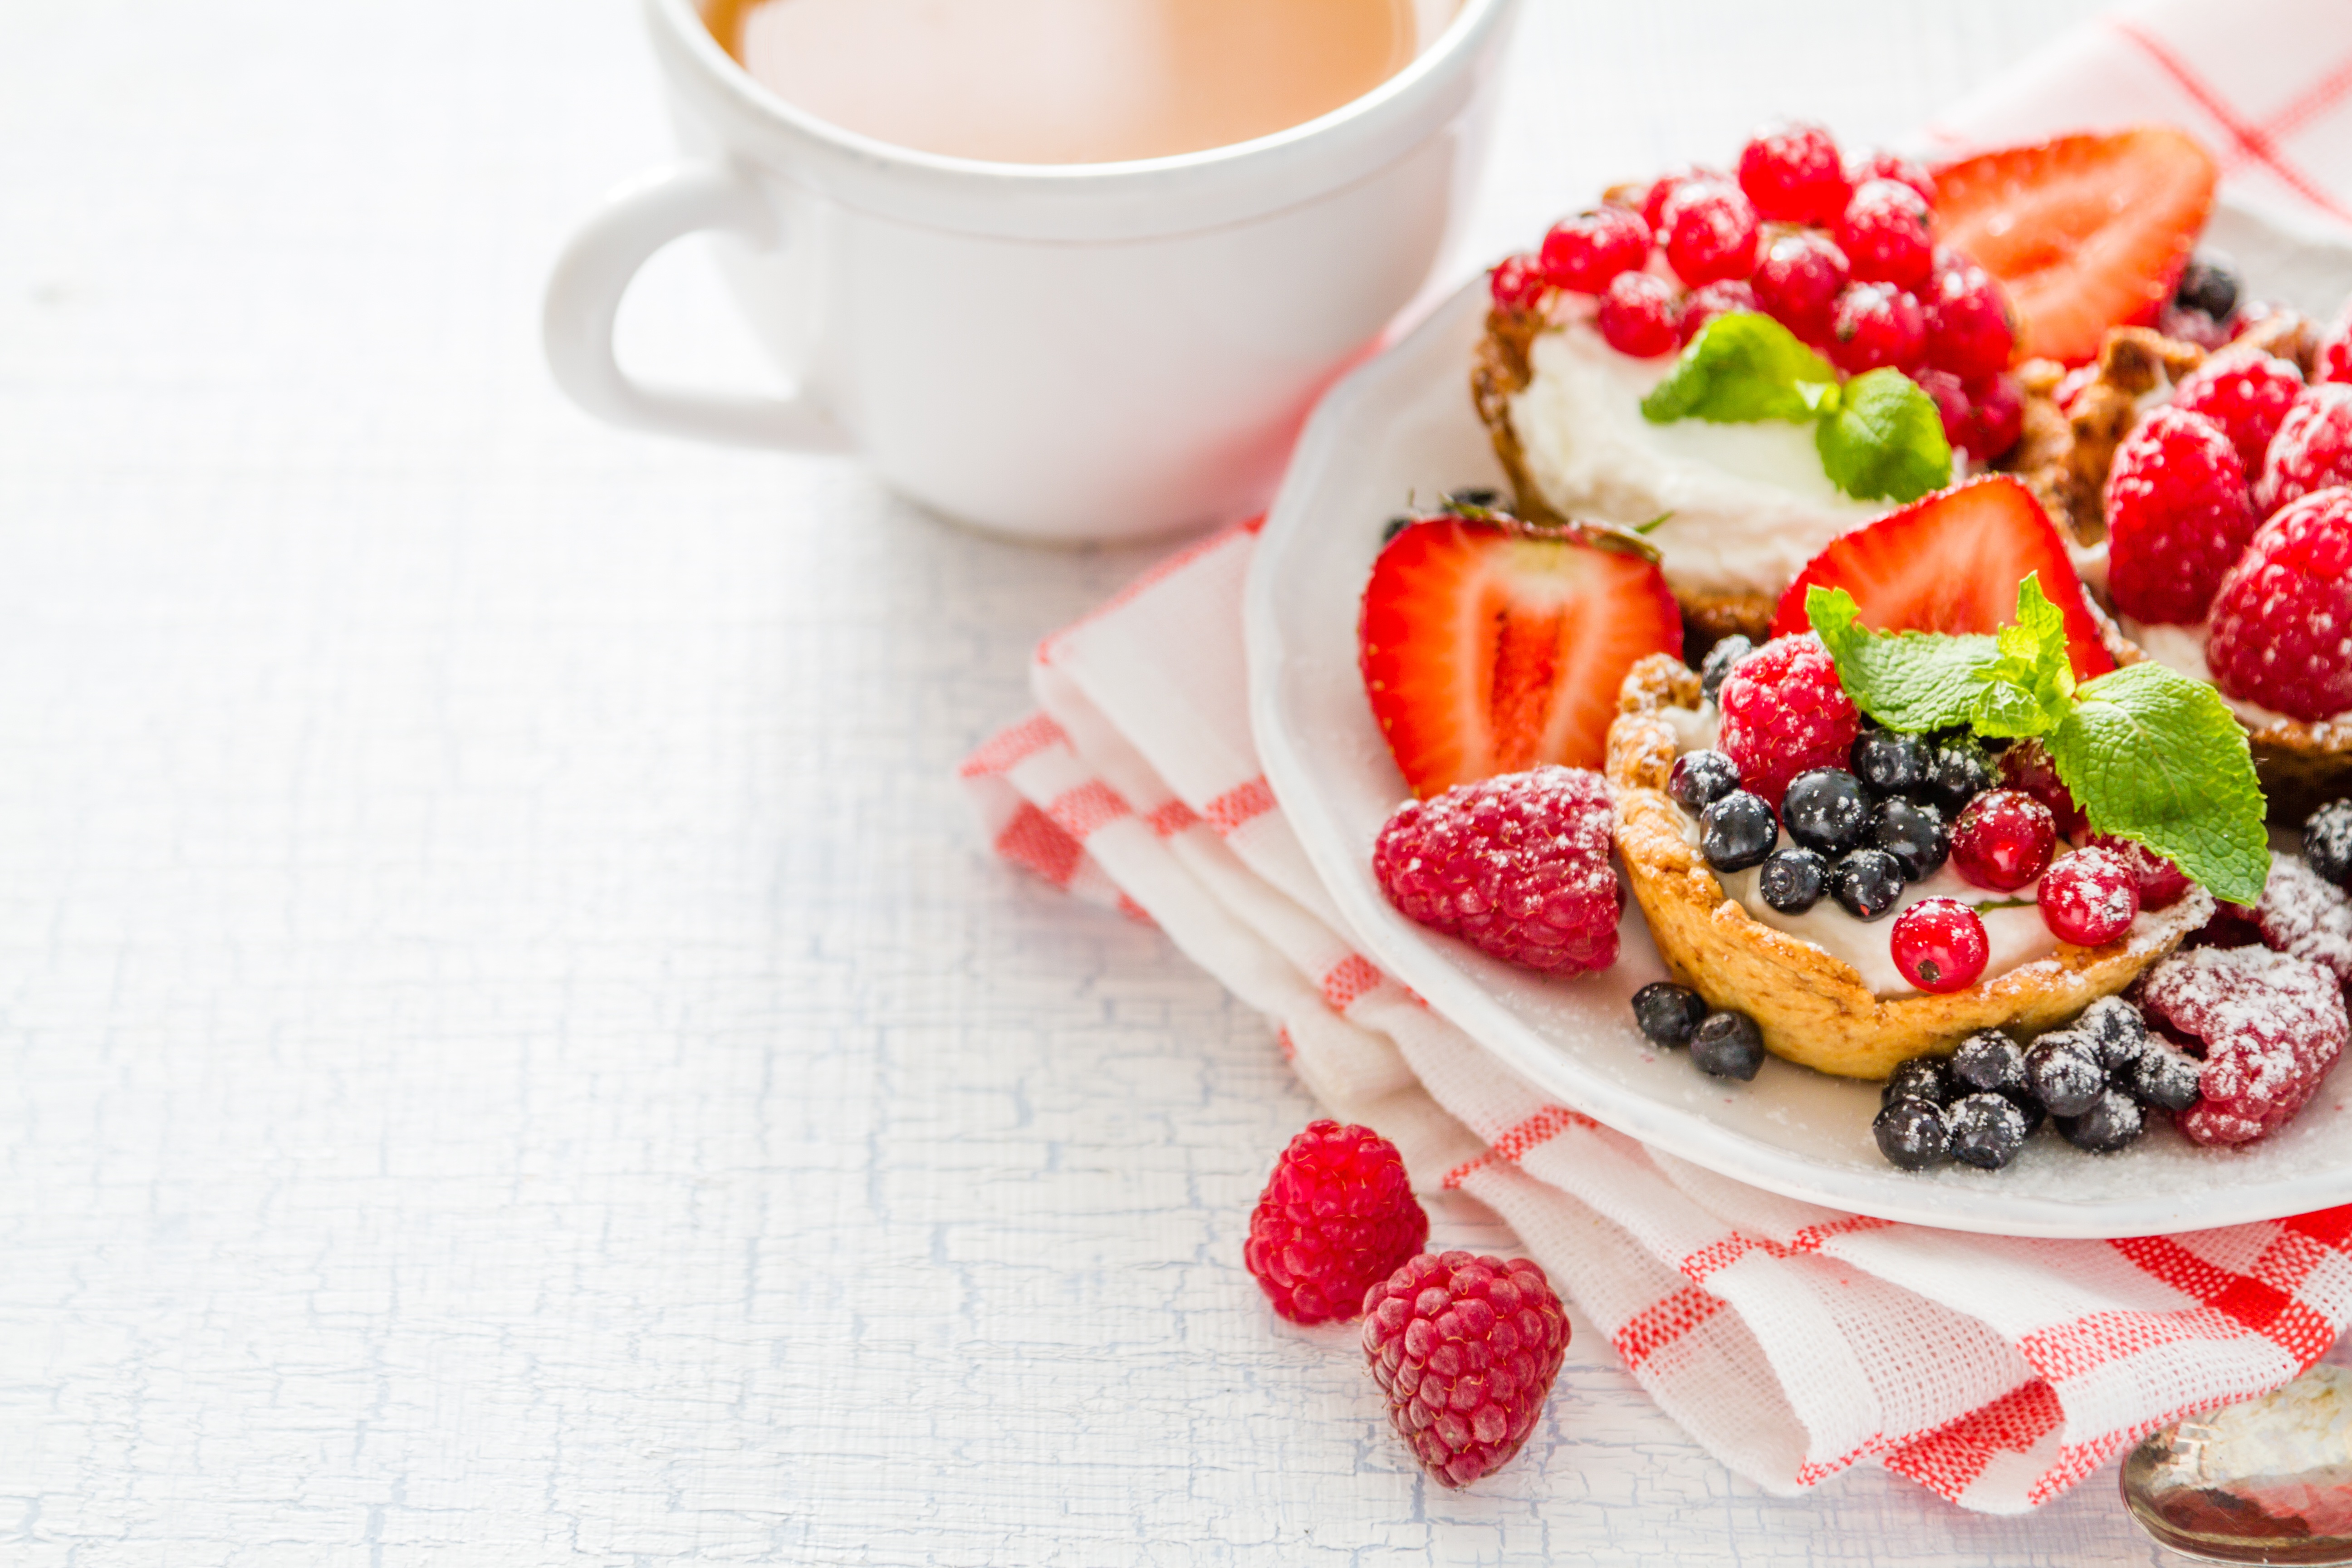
(1134, 912)
(2070, 1350)
(1171, 819)
(2332, 1227)
(1661, 1324)
(2253, 141)
(2260, 1302)
(1006, 749)
(2323, 96)
(1948, 1460)
(1521, 1137)
(1723, 1254)
(1032, 840)
(1079, 812)
(1289, 1047)
(1239, 804)
(1349, 979)
(1047, 649)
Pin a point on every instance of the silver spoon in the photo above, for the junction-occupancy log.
(2267, 1480)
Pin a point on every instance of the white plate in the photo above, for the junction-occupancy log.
(1400, 427)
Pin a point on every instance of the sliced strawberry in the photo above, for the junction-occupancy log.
(1489, 645)
(1952, 563)
(2086, 232)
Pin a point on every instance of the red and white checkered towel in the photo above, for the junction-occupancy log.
(1791, 1340)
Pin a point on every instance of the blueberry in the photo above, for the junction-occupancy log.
(1825, 810)
(1718, 662)
(2163, 1077)
(1911, 1135)
(2113, 1121)
(1699, 779)
(2118, 1034)
(1913, 833)
(1919, 1077)
(2023, 1099)
(1792, 880)
(1959, 775)
(1728, 1045)
(2063, 1073)
(1986, 1060)
(1866, 883)
(1986, 1130)
(2328, 841)
(1891, 763)
(1667, 1013)
(2208, 283)
(1737, 832)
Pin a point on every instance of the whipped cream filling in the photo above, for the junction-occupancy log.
(1747, 505)
(2181, 650)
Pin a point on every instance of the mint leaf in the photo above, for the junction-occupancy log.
(1742, 368)
(1905, 680)
(1885, 437)
(2155, 757)
(2028, 688)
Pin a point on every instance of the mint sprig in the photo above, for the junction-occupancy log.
(1879, 436)
(2149, 754)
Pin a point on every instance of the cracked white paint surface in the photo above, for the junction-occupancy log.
(511, 1051)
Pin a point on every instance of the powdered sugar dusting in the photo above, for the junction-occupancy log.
(2271, 1025)
(2304, 914)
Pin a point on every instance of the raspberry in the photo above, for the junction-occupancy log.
(2333, 360)
(2282, 615)
(1517, 283)
(1583, 253)
(1637, 315)
(2177, 516)
(1798, 279)
(1794, 175)
(1708, 231)
(1969, 329)
(2003, 840)
(2271, 1026)
(1887, 167)
(2246, 396)
(1518, 866)
(2313, 448)
(2027, 766)
(2161, 883)
(2303, 913)
(1336, 1217)
(1939, 944)
(1876, 324)
(2089, 898)
(1701, 306)
(1466, 1348)
(1784, 713)
(1884, 232)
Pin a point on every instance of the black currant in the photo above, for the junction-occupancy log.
(1728, 1045)
(1699, 779)
(2063, 1073)
(1737, 831)
(1988, 1060)
(1793, 880)
(1826, 809)
(1866, 883)
(2113, 1121)
(1913, 832)
(2118, 1034)
(1986, 1130)
(1891, 763)
(2328, 841)
(2208, 283)
(1667, 1013)
(1718, 662)
(1911, 1135)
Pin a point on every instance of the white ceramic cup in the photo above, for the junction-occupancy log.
(1066, 352)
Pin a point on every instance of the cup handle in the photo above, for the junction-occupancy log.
(584, 298)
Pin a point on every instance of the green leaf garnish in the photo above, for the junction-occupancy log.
(1740, 368)
(2150, 755)
(1884, 438)
(2155, 757)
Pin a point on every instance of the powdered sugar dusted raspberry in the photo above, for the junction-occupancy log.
(2313, 448)
(2271, 1025)
(1785, 713)
(2178, 514)
(2304, 914)
(2282, 626)
(1466, 1348)
(1518, 866)
(2247, 396)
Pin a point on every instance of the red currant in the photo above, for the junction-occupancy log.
(2003, 839)
(1996, 416)
(1951, 402)
(1654, 204)
(1969, 331)
(1583, 253)
(1884, 233)
(1517, 283)
(1637, 315)
(1701, 306)
(2089, 898)
(1798, 280)
(1887, 167)
(1939, 944)
(1794, 175)
(1709, 231)
(2161, 883)
(1876, 324)
(2027, 766)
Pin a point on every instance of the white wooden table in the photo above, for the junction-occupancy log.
(510, 1049)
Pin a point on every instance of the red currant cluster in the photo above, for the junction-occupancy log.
(1843, 255)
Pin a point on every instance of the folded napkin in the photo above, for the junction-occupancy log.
(1791, 1340)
